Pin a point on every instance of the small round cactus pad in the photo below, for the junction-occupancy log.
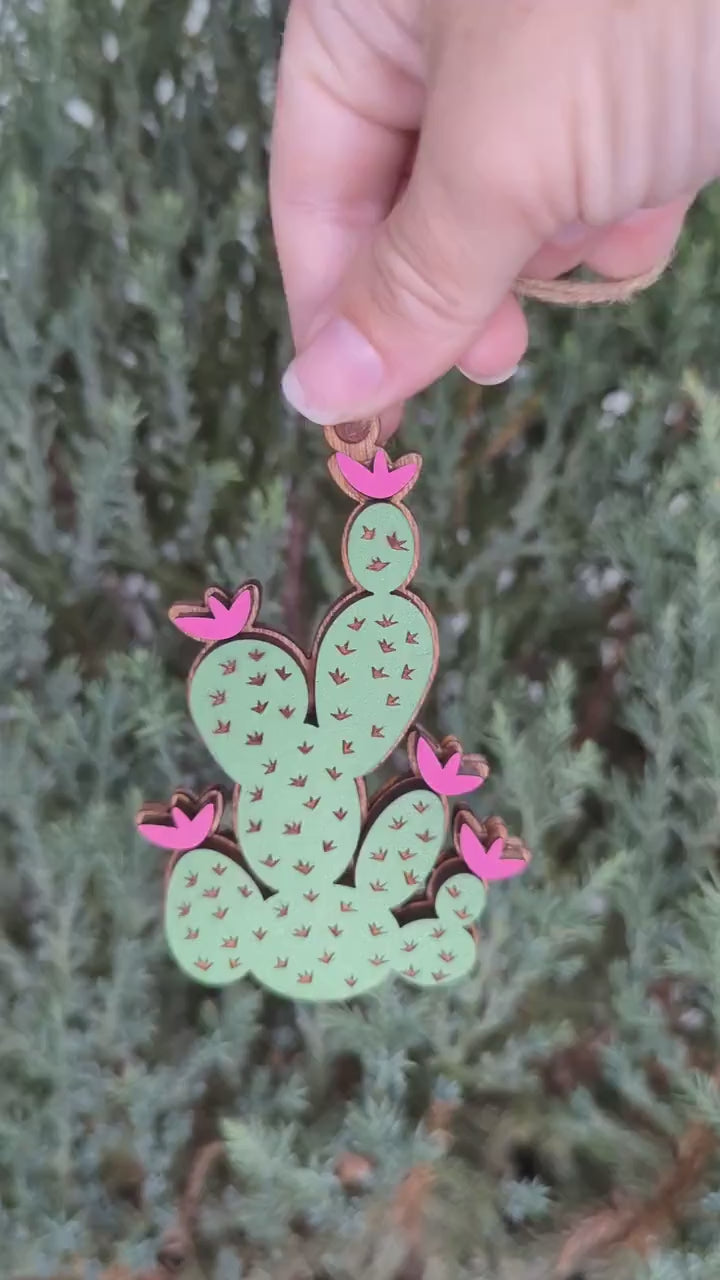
(312, 888)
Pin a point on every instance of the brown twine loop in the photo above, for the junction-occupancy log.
(359, 439)
(589, 293)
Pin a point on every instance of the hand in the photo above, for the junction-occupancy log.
(427, 152)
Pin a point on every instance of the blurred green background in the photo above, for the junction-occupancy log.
(556, 1114)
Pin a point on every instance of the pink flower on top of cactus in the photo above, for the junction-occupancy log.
(444, 779)
(185, 833)
(488, 864)
(380, 480)
(217, 621)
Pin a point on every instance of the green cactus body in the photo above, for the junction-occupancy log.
(248, 698)
(377, 658)
(298, 818)
(401, 846)
(333, 941)
(325, 947)
(299, 756)
(211, 909)
(297, 807)
(317, 940)
(438, 951)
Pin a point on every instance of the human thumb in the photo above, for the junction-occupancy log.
(417, 295)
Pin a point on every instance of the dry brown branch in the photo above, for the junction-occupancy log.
(177, 1246)
(408, 1208)
(637, 1225)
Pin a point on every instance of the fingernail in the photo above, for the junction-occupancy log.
(490, 382)
(334, 378)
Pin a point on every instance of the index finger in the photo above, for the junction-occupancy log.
(344, 126)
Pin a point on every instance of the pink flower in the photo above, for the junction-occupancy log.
(488, 864)
(444, 779)
(185, 833)
(217, 621)
(380, 480)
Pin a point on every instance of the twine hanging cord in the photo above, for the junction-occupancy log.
(588, 293)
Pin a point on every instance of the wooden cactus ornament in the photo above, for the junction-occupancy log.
(323, 892)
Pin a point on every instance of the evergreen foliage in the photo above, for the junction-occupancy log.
(557, 1112)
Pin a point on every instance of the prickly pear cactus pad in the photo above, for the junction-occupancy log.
(318, 893)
